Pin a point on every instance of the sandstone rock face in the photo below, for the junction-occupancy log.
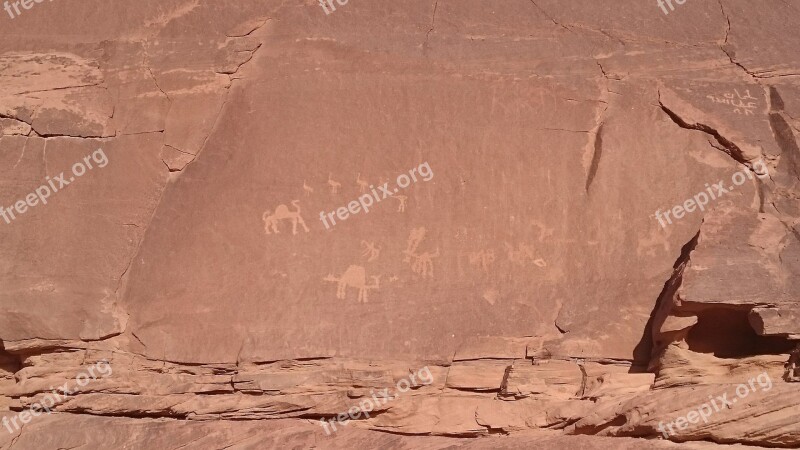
(417, 224)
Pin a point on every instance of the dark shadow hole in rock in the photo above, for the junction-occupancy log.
(9, 364)
(725, 332)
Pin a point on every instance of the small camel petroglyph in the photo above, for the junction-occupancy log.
(356, 277)
(308, 189)
(335, 185)
(282, 213)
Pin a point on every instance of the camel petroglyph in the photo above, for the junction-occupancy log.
(282, 213)
(356, 277)
(421, 264)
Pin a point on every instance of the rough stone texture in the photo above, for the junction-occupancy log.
(530, 275)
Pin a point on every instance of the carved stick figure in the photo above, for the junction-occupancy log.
(402, 199)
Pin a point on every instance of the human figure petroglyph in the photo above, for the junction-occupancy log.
(371, 251)
(335, 185)
(307, 189)
(362, 185)
(282, 213)
(403, 201)
(356, 277)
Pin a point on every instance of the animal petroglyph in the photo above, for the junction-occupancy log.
(483, 258)
(544, 232)
(371, 251)
(356, 277)
(307, 189)
(282, 212)
(362, 185)
(421, 263)
(335, 185)
(523, 254)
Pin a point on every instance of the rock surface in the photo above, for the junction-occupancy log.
(601, 237)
